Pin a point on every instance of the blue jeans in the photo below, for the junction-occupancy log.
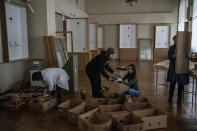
(132, 92)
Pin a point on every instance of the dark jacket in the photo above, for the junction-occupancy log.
(132, 81)
(182, 79)
(98, 65)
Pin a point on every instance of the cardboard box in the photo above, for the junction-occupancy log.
(78, 110)
(134, 106)
(43, 106)
(127, 122)
(152, 118)
(112, 109)
(94, 121)
(136, 99)
(182, 48)
(65, 106)
(103, 101)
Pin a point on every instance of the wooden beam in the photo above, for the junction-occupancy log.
(4, 32)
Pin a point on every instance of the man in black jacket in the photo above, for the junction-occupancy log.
(96, 66)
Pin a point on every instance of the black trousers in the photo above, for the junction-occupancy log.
(59, 94)
(180, 90)
(95, 81)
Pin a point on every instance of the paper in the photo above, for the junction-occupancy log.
(119, 80)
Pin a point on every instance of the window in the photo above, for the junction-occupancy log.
(100, 37)
(127, 36)
(93, 37)
(16, 22)
(79, 28)
(59, 24)
(162, 37)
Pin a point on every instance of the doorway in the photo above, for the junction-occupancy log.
(145, 49)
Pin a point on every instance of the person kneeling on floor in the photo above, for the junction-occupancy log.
(132, 82)
(53, 77)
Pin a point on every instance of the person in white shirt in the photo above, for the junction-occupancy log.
(53, 77)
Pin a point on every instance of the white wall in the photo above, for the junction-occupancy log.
(81, 4)
(146, 14)
(51, 26)
(37, 28)
(95, 7)
(70, 8)
(11, 73)
(147, 31)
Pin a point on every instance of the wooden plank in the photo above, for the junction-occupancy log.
(128, 53)
(4, 31)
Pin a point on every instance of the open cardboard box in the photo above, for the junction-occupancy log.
(112, 109)
(94, 121)
(153, 118)
(78, 110)
(126, 121)
(135, 106)
(65, 106)
(103, 101)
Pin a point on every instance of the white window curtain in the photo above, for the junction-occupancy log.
(194, 28)
(182, 14)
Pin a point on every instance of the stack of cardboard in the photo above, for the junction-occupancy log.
(138, 115)
(43, 104)
(12, 101)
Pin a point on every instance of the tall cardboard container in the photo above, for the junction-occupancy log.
(182, 48)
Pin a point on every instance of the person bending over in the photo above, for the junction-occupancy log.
(96, 67)
(53, 77)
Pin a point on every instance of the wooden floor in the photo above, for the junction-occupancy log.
(180, 118)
